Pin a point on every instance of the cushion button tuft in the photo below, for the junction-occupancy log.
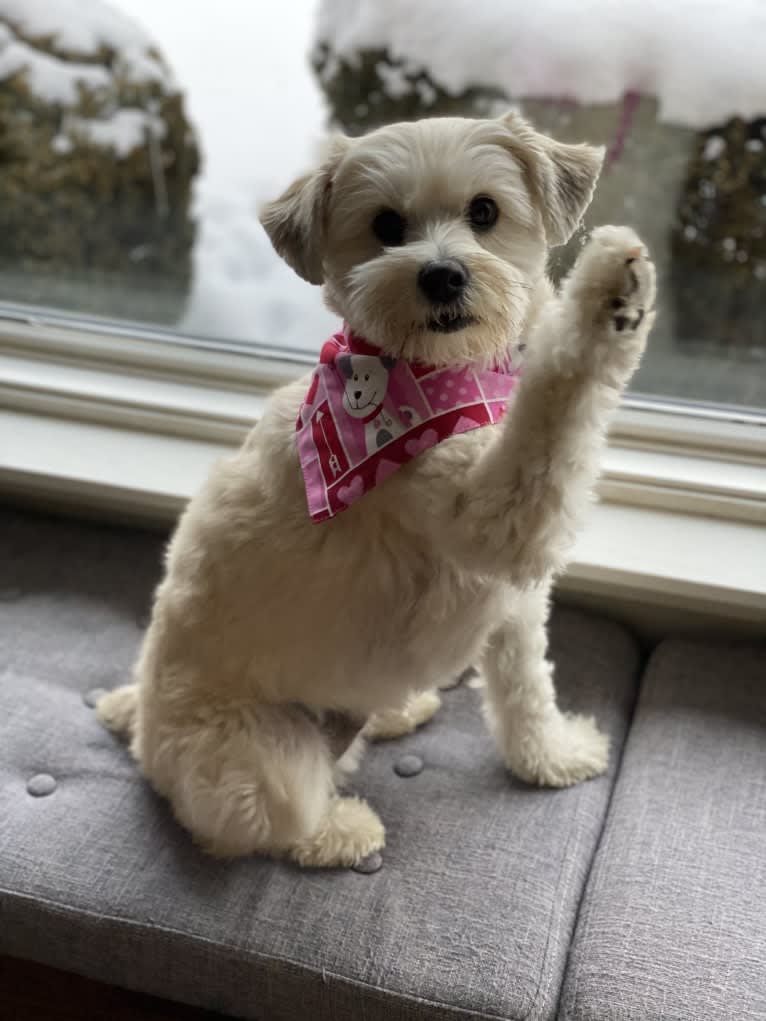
(409, 765)
(40, 785)
(370, 864)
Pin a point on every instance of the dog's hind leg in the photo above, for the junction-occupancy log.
(259, 779)
(348, 831)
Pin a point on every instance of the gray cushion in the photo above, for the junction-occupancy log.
(471, 914)
(673, 925)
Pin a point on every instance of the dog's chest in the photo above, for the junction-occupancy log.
(418, 617)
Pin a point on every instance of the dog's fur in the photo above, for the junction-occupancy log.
(272, 638)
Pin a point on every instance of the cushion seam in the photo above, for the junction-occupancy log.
(567, 885)
(641, 673)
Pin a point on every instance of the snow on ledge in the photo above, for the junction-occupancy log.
(702, 59)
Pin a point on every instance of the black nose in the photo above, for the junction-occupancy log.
(357, 394)
(443, 281)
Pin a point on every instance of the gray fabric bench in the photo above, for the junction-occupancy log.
(639, 895)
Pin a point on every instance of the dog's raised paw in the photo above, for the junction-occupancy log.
(620, 277)
(613, 285)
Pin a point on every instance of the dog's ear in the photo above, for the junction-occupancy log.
(296, 222)
(345, 365)
(561, 177)
(388, 362)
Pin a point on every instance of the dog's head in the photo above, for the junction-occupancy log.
(431, 236)
(365, 383)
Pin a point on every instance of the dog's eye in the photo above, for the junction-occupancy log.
(367, 378)
(483, 212)
(389, 227)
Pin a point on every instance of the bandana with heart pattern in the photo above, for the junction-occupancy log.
(366, 415)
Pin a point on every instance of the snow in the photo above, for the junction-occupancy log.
(714, 146)
(702, 59)
(123, 132)
(242, 290)
(394, 78)
(140, 66)
(400, 79)
(79, 26)
(252, 98)
(62, 145)
(79, 29)
(427, 93)
(251, 95)
(51, 80)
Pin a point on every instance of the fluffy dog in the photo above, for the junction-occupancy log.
(273, 639)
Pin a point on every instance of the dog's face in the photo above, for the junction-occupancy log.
(431, 236)
(365, 383)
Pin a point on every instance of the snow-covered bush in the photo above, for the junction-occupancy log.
(97, 160)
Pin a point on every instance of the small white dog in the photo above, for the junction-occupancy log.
(275, 639)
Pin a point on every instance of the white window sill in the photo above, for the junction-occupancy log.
(128, 428)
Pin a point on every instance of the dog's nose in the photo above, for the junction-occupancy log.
(357, 394)
(443, 281)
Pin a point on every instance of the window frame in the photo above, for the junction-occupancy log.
(123, 421)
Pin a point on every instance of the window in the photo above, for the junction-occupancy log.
(137, 144)
(138, 290)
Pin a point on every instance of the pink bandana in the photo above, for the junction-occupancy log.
(366, 415)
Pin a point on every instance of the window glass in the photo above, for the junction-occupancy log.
(139, 137)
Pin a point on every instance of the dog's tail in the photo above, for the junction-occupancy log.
(117, 709)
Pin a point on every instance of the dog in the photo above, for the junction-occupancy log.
(275, 640)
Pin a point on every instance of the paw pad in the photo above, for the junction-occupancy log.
(628, 306)
(621, 321)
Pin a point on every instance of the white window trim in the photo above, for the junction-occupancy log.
(126, 422)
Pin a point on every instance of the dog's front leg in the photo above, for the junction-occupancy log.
(538, 742)
(518, 508)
